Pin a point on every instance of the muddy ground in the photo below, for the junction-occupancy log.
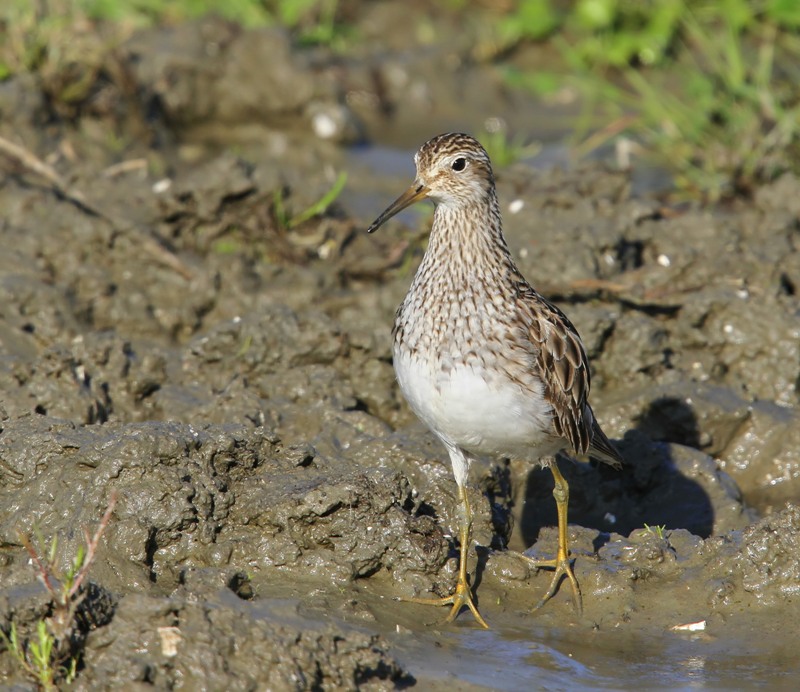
(164, 336)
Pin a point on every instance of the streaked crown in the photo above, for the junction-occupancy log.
(455, 168)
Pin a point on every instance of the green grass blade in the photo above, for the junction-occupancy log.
(322, 205)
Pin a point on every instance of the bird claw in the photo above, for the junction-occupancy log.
(458, 599)
(562, 567)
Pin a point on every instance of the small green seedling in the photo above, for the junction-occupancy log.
(658, 531)
(48, 657)
(286, 221)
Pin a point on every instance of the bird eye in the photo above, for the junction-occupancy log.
(459, 164)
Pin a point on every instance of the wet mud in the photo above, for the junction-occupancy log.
(167, 336)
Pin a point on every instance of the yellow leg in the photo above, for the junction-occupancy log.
(561, 563)
(462, 596)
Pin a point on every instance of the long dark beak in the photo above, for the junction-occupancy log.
(415, 193)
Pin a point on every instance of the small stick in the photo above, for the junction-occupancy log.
(91, 544)
(41, 568)
(125, 167)
(36, 165)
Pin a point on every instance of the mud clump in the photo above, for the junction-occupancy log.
(230, 377)
(215, 643)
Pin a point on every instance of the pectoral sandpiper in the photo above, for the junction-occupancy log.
(486, 362)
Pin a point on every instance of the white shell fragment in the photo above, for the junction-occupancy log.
(698, 626)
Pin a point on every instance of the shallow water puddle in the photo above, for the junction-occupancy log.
(512, 656)
(513, 660)
(490, 660)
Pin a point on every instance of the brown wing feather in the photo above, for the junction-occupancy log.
(564, 368)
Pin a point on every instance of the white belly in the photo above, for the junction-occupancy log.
(479, 412)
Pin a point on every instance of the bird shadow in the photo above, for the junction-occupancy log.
(649, 490)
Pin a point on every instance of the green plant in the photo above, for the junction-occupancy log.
(527, 20)
(287, 221)
(226, 246)
(49, 657)
(313, 21)
(608, 32)
(619, 33)
(657, 531)
(50, 35)
(706, 88)
(503, 149)
(37, 658)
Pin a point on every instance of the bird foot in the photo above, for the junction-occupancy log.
(563, 567)
(458, 599)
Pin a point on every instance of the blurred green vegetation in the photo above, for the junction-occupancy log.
(505, 149)
(707, 88)
(37, 33)
(287, 221)
(302, 14)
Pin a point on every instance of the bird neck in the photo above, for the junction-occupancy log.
(468, 239)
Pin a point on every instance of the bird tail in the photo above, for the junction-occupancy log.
(602, 449)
